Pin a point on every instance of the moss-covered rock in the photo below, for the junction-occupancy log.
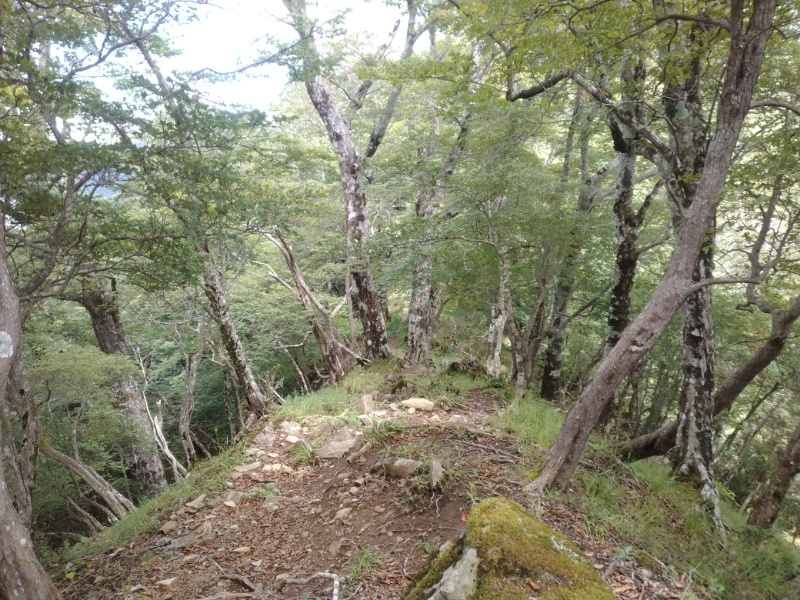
(519, 558)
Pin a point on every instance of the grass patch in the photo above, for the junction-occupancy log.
(209, 476)
(531, 420)
(364, 562)
(661, 520)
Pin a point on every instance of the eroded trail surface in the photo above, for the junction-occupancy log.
(364, 504)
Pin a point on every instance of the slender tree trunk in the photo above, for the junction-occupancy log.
(187, 404)
(21, 575)
(498, 318)
(118, 504)
(768, 505)
(98, 296)
(421, 315)
(743, 68)
(215, 292)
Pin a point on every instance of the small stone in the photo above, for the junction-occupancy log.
(335, 547)
(378, 509)
(436, 474)
(342, 514)
(380, 413)
(169, 527)
(366, 404)
(247, 467)
(229, 504)
(167, 582)
(197, 502)
(458, 419)
(393, 406)
(291, 427)
(286, 469)
(435, 417)
(292, 440)
(412, 410)
(353, 491)
(257, 563)
(333, 450)
(273, 454)
(365, 420)
(233, 498)
(398, 467)
(419, 404)
(242, 549)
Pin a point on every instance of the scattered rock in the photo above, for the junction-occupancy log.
(458, 419)
(194, 539)
(265, 438)
(257, 563)
(333, 450)
(353, 491)
(291, 427)
(397, 467)
(167, 582)
(247, 467)
(291, 440)
(271, 503)
(257, 477)
(419, 404)
(197, 502)
(380, 413)
(366, 404)
(335, 547)
(393, 406)
(342, 514)
(411, 410)
(436, 474)
(378, 509)
(365, 420)
(242, 549)
(233, 498)
(169, 527)
(273, 454)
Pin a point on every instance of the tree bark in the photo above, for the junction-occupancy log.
(98, 295)
(187, 403)
(766, 509)
(742, 70)
(498, 318)
(21, 575)
(215, 292)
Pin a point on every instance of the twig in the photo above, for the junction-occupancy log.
(323, 575)
(225, 595)
(233, 577)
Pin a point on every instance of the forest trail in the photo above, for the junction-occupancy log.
(288, 513)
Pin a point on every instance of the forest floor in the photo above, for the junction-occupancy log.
(338, 515)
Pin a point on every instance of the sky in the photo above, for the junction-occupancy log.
(226, 34)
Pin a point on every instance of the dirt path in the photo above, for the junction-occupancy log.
(281, 520)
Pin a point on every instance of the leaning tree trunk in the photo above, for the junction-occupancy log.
(98, 296)
(766, 509)
(117, 504)
(21, 575)
(741, 74)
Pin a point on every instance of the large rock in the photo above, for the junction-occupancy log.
(508, 554)
(397, 467)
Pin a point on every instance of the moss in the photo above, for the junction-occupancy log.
(514, 548)
(646, 560)
(432, 572)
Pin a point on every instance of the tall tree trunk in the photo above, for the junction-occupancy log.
(187, 403)
(421, 314)
(21, 452)
(498, 317)
(741, 74)
(21, 575)
(98, 296)
(766, 509)
(217, 298)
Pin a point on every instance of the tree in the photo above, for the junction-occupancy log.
(742, 69)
